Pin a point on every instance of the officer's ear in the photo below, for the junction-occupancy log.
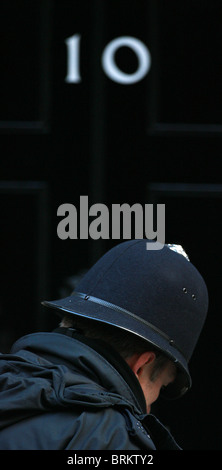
(137, 362)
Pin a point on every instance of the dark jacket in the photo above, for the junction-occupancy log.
(63, 392)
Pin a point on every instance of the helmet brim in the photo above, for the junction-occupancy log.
(103, 312)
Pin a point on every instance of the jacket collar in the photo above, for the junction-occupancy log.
(91, 359)
(114, 358)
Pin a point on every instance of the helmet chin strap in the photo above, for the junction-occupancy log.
(106, 304)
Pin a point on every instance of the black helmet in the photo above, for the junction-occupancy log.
(157, 295)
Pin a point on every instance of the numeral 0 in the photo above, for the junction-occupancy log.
(108, 60)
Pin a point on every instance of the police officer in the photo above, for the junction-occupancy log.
(126, 335)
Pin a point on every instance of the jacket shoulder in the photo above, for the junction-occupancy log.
(96, 429)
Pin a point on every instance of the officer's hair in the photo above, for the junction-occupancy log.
(123, 341)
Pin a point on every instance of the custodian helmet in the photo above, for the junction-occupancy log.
(157, 295)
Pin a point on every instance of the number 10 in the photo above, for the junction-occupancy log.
(108, 60)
